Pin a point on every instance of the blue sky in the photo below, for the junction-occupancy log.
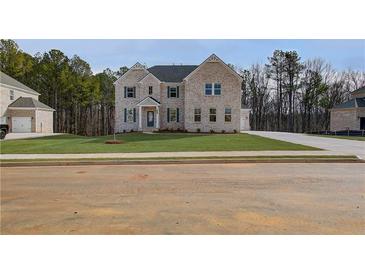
(101, 54)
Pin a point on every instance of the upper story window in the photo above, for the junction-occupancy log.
(197, 115)
(227, 115)
(212, 115)
(173, 92)
(12, 95)
(150, 90)
(217, 89)
(129, 92)
(208, 89)
(213, 89)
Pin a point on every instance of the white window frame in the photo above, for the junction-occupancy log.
(130, 115)
(170, 91)
(211, 114)
(171, 116)
(12, 96)
(228, 114)
(211, 89)
(150, 90)
(220, 89)
(198, 114)
(130, 89)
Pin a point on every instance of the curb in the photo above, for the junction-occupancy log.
(180, 161)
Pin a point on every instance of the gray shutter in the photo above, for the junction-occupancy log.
(125, 92)
(134, 92)
(134, 115)
(177, 115)
(168, 92)
(177, 92)
(125, 115)
(168, 115)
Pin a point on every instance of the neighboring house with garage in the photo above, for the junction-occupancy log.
(205, 97)
(20, 108)
(349, 115)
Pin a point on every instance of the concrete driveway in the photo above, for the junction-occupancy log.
(332, 144)
(15, 136)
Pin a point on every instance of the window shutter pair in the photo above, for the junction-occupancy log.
(177, 92)
(134, 115)
(177, 114)
(168, 92)
(125, 115)
(125, 92)
(168, 115)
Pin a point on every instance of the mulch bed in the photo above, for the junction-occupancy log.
(113, 142)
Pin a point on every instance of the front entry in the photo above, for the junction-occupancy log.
(362, 123)
(150, 119)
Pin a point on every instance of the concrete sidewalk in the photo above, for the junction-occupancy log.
(345, 146)
(170, 154)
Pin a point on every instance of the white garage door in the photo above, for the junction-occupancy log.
(21, 124)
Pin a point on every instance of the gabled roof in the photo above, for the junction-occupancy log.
(28, 102)
(148, 101)
(176, 73)
(136, 66)
(215, 59)
(149, 74)
(353, 103)
(10, 81)
(172, 73)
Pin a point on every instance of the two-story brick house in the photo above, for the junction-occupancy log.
(193, 98)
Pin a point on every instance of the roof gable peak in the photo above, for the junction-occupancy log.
(213, 58)
(137, 66)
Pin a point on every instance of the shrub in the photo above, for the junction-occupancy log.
(223, 131)
(198, 130)
(124, 131)
(211, 131)
(235, 131)
(132, 130)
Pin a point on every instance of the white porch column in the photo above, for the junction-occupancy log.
(140, 118)
(157, 117)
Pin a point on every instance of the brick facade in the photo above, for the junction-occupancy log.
(343, 119)
(191, 96)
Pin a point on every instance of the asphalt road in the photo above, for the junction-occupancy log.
(184, 199)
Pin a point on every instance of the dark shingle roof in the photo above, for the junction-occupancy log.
(353, 103)
(173, 73)
(347, 104)
(7, 80)
(360, 102)
(28, 102)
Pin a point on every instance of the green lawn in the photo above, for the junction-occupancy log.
(139, 142)
(358, 138)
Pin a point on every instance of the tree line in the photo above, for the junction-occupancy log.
(84, 102)
(285, 94)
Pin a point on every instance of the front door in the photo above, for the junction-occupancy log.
(150, 119)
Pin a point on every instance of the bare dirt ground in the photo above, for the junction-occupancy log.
(184, 199)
